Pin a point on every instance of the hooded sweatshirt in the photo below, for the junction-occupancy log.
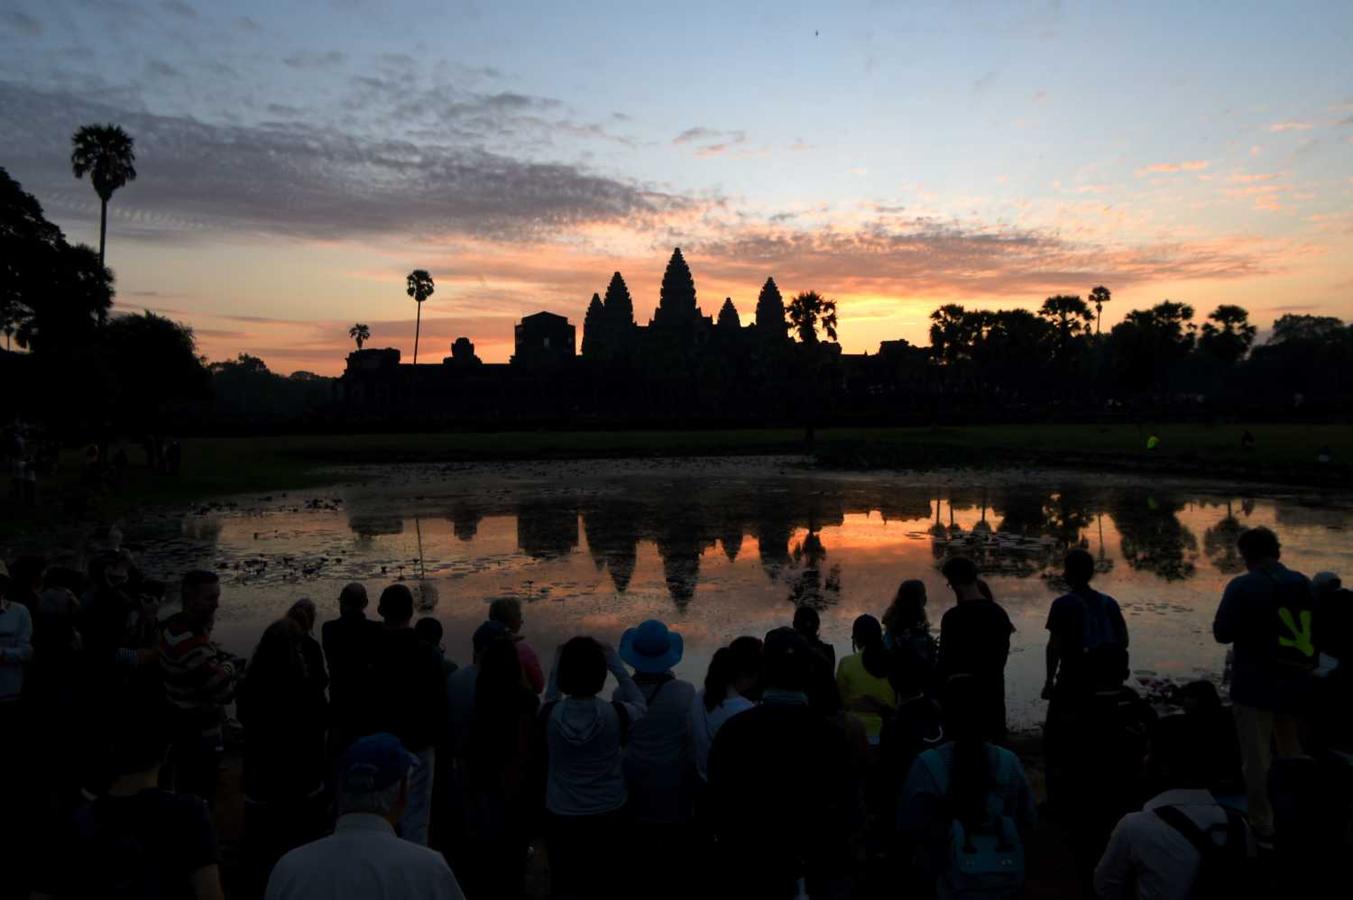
(586, 769)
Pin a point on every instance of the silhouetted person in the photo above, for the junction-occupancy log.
(1267, 615)
(506, 611)
(862, 677)
(658, 764)
(350, 645)
(1080, 623)
(199, 680)
(913, 728)
(580, 742)
(968, 793)
(431, 633)
(731, 684)
(1157, 853)
(807, 623)
(905, 624)
(498, 806)
(1214, 728)
(282, 708)
(364, 857)
(137, 839)
(16, 650)
(304, 613)
(1334, 638)
(776, 826)
(975, 640)
(410, 692)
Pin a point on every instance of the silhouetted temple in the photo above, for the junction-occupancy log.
(683, 365)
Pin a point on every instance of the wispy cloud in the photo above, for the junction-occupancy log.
(1280, 127)
(1170, 168)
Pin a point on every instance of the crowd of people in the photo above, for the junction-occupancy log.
(373, 765)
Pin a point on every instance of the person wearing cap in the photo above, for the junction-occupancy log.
(580, 738)
(658, 759)
(783, 796)
(364, 857)
(16, 649)
(410, 702)
(350, 644)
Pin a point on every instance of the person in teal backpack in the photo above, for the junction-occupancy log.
(967, 805)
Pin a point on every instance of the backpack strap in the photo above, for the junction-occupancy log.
(1177, 819)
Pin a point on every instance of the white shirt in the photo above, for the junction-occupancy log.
(364, 860)
(1147, 859)
(706, 724)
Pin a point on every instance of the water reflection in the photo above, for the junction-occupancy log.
(725, 549)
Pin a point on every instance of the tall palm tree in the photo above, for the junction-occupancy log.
(1099, 295)
(420, 288)
(106, 153)
(359, 333)
(809, 311)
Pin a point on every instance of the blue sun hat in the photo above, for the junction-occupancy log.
(651, 648)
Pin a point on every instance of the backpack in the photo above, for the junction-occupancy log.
(1294, 615)
(1222, 866)
(987, 861)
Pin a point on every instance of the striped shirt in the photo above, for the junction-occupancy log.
(199, 679)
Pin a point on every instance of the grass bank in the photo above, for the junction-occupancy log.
(215, 467)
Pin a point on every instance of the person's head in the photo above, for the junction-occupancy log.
(807, 622)
(396, 606)
(352, 599)
(506, 611)
(1198, 697)
(651, 648)
(279, 656)
(200, 593)
(485, 634)
(866, 636)
(430, 632)
(1326, 583)
(907, 612)
(1258, 547)
(373, 777)
(961, 573)
(734, 668)
(786, 661)
(1078, 567)
(303, 613)
(26, 572)
(1176, 755)
(582, 667)
(110, 569)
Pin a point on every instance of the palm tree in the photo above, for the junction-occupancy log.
(1099, 295)
(359, 333)
(420, 288)
(105, 152)
(809, 311)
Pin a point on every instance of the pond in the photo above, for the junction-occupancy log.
(720, 547)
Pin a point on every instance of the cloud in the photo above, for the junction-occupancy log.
(244, 23)
(20, 22)
(714, 142)
(1169, 168)
(698, 133)
(311, 59)
(295, 179)
(179, 8)
(1254, 177)
(1280, 127)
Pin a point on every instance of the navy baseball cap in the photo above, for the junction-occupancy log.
(373, 763)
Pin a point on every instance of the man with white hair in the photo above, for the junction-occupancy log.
(364, 857)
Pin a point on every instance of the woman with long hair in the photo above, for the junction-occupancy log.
(967, 799)
(906, 629)
(497, 760)
(730, 688)
(862, 677)
(283, 714)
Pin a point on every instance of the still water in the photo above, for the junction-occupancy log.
(719, 548)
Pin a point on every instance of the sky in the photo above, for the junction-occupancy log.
(295, 160)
